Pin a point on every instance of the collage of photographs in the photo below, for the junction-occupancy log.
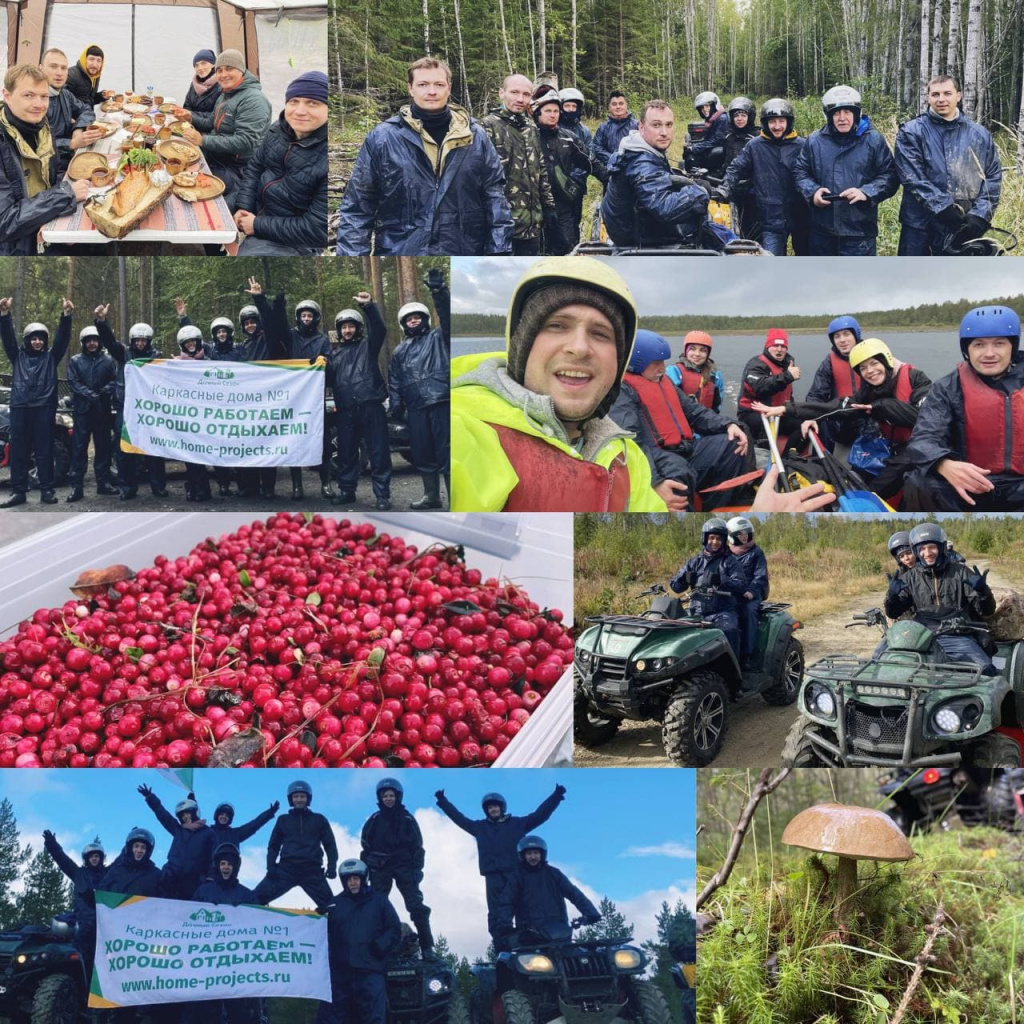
(477, 458)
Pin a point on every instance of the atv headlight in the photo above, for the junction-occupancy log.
(654, 665)
(21, 958)
(536, 964)
(627, 959)
(435, 985)
(946, 720)
(821, 701)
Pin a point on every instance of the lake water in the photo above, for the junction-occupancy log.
(936, 353)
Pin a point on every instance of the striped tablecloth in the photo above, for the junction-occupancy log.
(173, 221)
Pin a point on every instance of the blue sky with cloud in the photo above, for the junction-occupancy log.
(628, 835)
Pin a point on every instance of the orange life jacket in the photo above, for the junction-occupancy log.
(694, 385)
(662, 408)
(899, 435)
(844, 377)
(993, 424)
(552, 481)
(747, 395)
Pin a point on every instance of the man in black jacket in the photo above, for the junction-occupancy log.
(33, 402)
(294, 856)
(226, 832)
(363, 932)
(86, 878)
(31, 192)
(393, 852)
(84, 76)
(92, 375)
(418, 384)
(359, 392)
(192, 844)
(281, 205)
(535, 895)
(497, 835)
(72, 122)
(140, 346)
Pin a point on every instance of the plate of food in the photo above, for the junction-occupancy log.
(195, 186)
(112, 106)
(136, 108)
(177, 154)
(83, 164)
(109, 127)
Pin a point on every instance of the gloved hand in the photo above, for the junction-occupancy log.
(275, 807)
(439, 795)
(721, 194)
(146, 791)
(332, 872)
(592, 918)
(559, 790)
(434, 279)
(691, 578)
(896, 585)
(49, 836)
(979, 580)
(951, 218)
(973, 227)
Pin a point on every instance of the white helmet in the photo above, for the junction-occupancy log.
(190, 333)
(738, 525)
(572, 95)
(704, 98)
(141, 331)
(412, 307)
(88, 332)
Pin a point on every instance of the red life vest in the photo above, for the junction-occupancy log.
(661, 407)
(993, 425)
(552, 481)
(903, 391)
(779, 398)
(845, 378)
(696, 387)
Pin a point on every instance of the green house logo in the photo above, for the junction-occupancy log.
(219, 374)
(204, 916)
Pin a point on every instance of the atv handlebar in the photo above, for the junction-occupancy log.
(654, 588)
(872, 617)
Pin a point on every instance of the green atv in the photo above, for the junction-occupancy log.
(42, 975)
(908, 706)
(670, 665)
(548, 977)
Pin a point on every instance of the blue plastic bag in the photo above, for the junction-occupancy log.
(870, 453)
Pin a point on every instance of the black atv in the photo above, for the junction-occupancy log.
(423, 991)
(42, 975)
(548, 977)
(670, 665)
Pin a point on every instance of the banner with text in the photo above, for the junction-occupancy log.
(170, 951)
(225, 414)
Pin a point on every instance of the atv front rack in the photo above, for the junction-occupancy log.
(637, 622)
(848, 668)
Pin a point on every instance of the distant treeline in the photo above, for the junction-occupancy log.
(934, 315)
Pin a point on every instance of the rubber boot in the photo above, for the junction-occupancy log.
(17, 498)
(297, 492)
(421, 922)
(106, 488)
(48, 498)
(325, 481)
(77, 494)
(431, 492)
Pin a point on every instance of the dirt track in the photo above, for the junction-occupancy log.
(757, 732)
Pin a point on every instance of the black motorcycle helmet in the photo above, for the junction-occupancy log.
(929, 533)
(717, 527)
(898, 543)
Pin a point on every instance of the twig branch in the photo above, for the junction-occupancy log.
(934, 930)
(765, 785)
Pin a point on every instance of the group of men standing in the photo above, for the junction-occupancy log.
(426, 180)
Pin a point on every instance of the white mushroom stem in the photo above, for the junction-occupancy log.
(846, 887)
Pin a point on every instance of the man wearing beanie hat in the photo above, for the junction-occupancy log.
(427, 182)
(282, 201)
(203, 90)
(768, 378)
(531, 425)
(231, 133)
(84, 77)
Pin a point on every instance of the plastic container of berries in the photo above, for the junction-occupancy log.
(531, 551)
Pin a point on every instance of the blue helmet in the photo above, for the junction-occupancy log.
(494, 798)
(844, 323)
(648, 348)
(140, 835)
(390, 783)
(298, 786)
(532, 843)
(990, 322)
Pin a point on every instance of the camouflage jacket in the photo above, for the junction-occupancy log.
(526, 178)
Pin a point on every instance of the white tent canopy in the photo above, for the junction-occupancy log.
(152, 42)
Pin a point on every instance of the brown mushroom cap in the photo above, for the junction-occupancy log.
(96, 581)
(856, 832)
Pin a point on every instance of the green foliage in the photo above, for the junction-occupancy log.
(47, 892)
(613, 924)
(12, 857)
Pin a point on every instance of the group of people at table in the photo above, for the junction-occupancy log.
(275, 172)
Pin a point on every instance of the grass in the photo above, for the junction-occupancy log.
(777, 957)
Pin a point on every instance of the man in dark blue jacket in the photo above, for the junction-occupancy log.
(610, 132)
(849, 160)
(427, 181)
(497, 835)
(129, 465)
(755, 571)
(33, 403)
(968, 441)
(31, 192)
(92, 376)
(418, 384)
(191, 850)
(571, 119)
(225, 831)
(295, 854)
(133, 872)
(392, 849)
(767, 164)
(716, 572)
(535, 895)
(708, 151)
(951, 175)
(359, 393)
(645, 204)
(835, 378)
(281, 205)
(363, 933)
(72, 122)
(85, 878)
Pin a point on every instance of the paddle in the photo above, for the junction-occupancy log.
(776, 457)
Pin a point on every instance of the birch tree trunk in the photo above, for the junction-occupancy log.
(574, 45)
(922, 72)
(1020, 135)
(972, 56)
(122, 293)
(953, 46)
(936, 39)
(426, 28)
(504, 37)
(466, 100)
(542, 25)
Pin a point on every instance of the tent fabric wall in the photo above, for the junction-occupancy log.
(288, 46)
(7, 26)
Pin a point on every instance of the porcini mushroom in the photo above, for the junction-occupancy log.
(98, 581)
(852, 834)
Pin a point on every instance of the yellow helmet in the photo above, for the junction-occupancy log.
(871, 348)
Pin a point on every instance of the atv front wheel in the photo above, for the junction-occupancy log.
(696, 720)
(996, 750)
(518, 1009)
(589, 727)
(481, 1004)
(651, 1007)
(55, 1001)
(798, 750)
(458, 1011)
(786, 687)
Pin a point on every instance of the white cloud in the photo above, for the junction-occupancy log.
(678, 851)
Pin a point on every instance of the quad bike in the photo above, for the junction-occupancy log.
(684, 977)
(548, 977)
(422, 991)
(63, 426)
(910, 707)
(672, 666)
(930, 798)
(42, 975)
(600, 244)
